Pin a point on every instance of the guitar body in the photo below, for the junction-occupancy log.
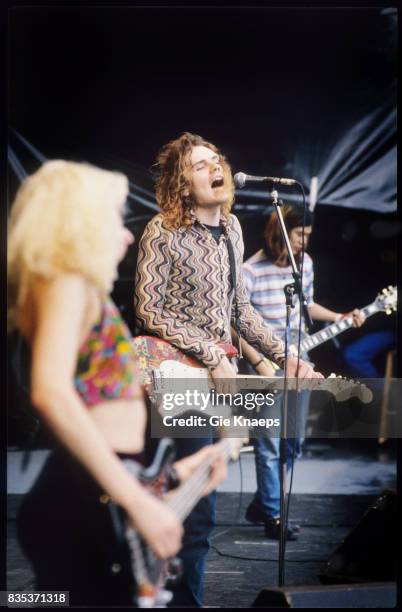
(156, 356)
(148, 574)
(151, 351)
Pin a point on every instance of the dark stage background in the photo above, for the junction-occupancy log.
(296, 92)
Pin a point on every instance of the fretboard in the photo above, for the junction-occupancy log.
(187, 495)
(334, 329)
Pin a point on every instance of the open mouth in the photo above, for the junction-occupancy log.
(218, 182)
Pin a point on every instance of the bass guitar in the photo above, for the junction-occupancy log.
(149, 573)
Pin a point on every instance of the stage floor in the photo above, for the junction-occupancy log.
(332, 490)
(325, 520)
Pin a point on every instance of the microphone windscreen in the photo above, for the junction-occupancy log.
(240, 179)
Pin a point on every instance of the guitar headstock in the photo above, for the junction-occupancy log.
(387, 299)
(345, 388)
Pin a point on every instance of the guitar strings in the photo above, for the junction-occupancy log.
(184, 498)
(183, 501)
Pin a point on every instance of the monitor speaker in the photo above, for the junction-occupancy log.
(373, 595)
(368, 553)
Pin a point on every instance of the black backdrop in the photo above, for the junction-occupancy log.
(278, 89)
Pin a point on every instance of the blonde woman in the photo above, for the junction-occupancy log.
(66, 239)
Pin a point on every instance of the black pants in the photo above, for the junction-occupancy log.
(68, 536)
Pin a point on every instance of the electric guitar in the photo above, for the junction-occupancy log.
(386, 301)
(163, 368)
(158, 362)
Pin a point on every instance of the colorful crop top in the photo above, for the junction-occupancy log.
(106, 366)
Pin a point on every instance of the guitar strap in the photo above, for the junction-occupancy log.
(232, 263)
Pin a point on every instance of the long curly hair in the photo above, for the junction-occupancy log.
(173, 167)
(274, 245)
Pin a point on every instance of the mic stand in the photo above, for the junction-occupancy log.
(289, 290)
(295, 272)
(283, 448)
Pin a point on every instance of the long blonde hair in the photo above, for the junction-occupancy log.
(63, 219)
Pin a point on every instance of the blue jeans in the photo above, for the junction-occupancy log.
(359, 355)
(267, 459)
(188, 591)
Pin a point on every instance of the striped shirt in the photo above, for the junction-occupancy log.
(265, 281)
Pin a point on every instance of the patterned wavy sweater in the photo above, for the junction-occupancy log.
(184, 294)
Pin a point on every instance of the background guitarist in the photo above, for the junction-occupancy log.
(185, 294)
(265, 275)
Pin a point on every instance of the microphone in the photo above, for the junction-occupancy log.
(240, 179)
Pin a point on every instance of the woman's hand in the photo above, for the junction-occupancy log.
(157, 524)
(185, 467)
(154, 519)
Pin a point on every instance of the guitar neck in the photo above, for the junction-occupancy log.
(334, 329)
(187, 495)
